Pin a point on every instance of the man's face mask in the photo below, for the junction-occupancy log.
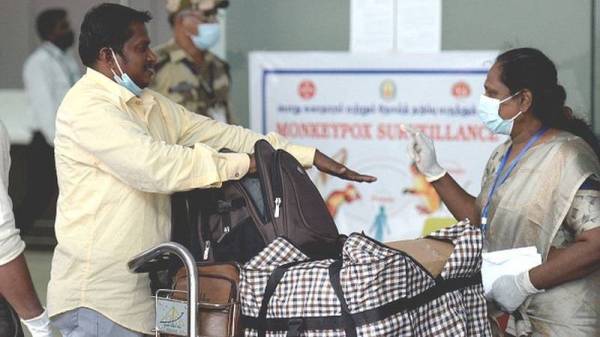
(208, 35)
(489, 113)
(124, 80)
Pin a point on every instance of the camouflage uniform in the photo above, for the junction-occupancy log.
(203, 89)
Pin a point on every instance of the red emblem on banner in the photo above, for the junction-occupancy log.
(307, 89)
(387, 90)
(461, 90)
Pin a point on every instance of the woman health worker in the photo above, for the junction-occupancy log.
(540, 188)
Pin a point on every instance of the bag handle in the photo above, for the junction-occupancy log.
(270, 288)
(334, 278)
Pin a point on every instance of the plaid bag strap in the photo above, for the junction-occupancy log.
(441, 287)
(334, 278)
(272, 283)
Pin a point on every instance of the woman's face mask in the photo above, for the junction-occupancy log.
(489, 113)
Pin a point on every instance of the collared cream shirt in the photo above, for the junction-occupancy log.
(118, 157)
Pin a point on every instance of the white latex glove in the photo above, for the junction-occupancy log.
(510, 291)
(422, 152)
(39, 326)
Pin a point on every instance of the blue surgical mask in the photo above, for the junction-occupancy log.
(124, 80)
(489, 113)
(208, 35)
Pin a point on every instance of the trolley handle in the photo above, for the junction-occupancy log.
(137, 264)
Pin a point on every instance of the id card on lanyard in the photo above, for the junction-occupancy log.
(501, 178)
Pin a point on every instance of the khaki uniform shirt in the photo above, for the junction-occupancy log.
(203, 89)
(118, 157)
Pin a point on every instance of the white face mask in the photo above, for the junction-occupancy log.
(489, 113)
(208, 35)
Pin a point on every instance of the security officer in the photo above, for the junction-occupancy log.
(187, 72)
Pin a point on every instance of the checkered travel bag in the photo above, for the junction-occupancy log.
(373, 290)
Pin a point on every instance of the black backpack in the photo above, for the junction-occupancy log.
(236, 221)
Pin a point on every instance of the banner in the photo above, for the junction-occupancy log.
(352, 106)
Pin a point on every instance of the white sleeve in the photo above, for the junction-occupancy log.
(38, 79)
(11, 244)
(73, 67)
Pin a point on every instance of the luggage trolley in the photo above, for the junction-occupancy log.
(173, 317)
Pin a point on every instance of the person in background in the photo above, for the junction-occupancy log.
(121, 150)
(187, 71)
(16, 288)
(48, 73)
(540, 188)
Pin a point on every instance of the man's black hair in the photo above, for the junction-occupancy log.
(47, 21)
(107, 25)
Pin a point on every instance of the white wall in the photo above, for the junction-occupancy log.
(562, 29)
(19, 37)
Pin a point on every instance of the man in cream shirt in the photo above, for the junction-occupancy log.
(120, 151)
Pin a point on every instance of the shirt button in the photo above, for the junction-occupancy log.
(237, 174)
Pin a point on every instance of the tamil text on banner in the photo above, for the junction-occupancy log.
(352, 106)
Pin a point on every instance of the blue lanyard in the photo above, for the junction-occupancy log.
(500, 179)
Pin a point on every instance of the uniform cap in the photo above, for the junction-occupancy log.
(174, 6)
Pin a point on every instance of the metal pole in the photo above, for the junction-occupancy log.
(395, 32)
(595, 67)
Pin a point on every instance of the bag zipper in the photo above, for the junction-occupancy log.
(277, 184)
(226, 231)
(206, 254)
(251, 210)
(277, 205)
